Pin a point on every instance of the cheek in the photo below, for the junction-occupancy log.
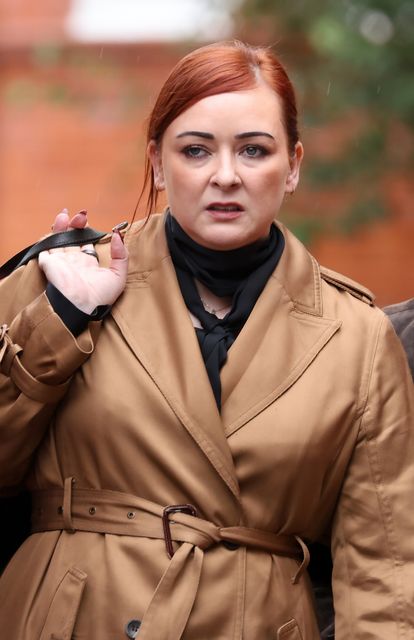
(269, 184)
(179, 180)
(269, 192)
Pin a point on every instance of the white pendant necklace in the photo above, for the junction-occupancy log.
(211, 309)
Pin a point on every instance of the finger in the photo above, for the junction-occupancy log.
(119, 256)
(89, 250)
(61, 221)
(80, 220)
(41, 258)
(44, 259)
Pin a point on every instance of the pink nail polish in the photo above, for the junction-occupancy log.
(118, 233)
(121, 226)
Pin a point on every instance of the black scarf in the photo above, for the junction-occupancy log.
(240, 273)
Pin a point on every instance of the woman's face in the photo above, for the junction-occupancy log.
(225, 165)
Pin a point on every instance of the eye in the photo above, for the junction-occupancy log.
(194, 151)
(254, 151)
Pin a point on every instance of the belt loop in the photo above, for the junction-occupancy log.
(67, 505)
(305, 561)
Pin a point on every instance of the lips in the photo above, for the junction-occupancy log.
(225, 207)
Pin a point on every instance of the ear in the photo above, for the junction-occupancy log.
(294, 162)
(154, 155)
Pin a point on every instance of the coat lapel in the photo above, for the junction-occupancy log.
(284, 333)
(154, 320)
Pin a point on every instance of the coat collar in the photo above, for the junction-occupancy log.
(284, 333)
(155, 322)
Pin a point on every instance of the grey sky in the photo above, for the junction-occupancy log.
(138, 20)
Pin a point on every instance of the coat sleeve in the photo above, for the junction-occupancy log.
(373, 542)
(38, 356)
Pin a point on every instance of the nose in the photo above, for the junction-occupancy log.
(225, 174)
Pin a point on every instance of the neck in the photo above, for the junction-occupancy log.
(221, 272)
(219, 306)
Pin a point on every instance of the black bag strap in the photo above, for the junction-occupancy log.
(54, 241)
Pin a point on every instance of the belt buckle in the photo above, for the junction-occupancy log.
(174, 508)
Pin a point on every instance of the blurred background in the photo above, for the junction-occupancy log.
(78, 78)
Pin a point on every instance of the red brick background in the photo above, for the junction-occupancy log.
(71, 135)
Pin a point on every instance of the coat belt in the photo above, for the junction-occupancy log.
(103, 511)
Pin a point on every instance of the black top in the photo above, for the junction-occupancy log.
(240, 273)
(72, 317)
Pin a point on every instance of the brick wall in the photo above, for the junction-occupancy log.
(71, 135)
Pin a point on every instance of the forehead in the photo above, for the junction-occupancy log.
(237, 111)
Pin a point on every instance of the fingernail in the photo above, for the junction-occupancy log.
(118, 233)
(121, 226)
(82, 212)
(64, 210)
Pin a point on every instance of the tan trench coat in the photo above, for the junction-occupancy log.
(316, 432)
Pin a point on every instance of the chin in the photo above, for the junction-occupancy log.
(222, 243)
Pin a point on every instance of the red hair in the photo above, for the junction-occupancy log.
(221, 67)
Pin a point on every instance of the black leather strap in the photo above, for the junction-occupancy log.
(54, 241)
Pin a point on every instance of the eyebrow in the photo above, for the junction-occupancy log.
(253, 134)
(238, 136)
(197, 134)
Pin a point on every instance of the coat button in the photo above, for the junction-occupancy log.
(132, 628)
(231, 546)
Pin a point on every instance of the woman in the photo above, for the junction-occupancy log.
(237, 400)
